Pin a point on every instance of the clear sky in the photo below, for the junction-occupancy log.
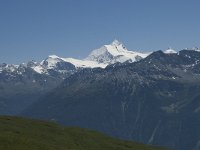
(34, 29)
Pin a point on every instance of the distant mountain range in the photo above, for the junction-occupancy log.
(154, 100)
(148, 97)
(102, 57)
(33, 79)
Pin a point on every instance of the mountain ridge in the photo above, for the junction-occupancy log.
(116, 51)
(35, 79)
(121, 99)
(154, 100)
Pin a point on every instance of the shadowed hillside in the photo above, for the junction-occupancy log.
(25, 134)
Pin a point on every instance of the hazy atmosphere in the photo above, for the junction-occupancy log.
(34, 29)
(99, 75)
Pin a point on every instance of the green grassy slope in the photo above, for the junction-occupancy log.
(26, 134)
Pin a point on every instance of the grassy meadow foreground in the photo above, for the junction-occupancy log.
(26, 134)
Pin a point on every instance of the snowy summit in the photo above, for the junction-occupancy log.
(170, 51)
(105, 55)
(115, 52)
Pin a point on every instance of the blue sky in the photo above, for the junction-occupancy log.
(34, 29)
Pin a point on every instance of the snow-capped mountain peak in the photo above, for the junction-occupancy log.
(116, 42)
(170, 51)
(114, 52)
(105, 55)
(53, 56)
(116, 47)
(51, 61)
(193, 49)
